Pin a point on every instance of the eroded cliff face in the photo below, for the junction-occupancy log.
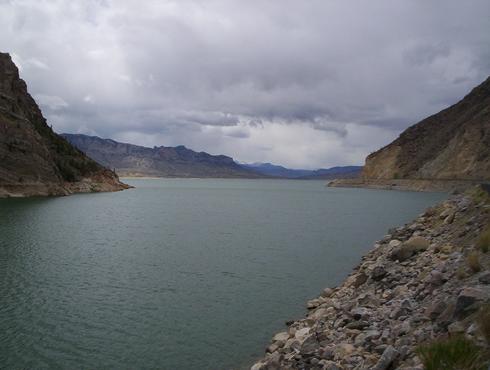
(34, 160)
(453, 144)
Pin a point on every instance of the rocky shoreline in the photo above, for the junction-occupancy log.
(423, 281)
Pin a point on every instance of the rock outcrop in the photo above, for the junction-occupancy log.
(34, 160)
(135, 160)
(447, 150)
(419, 283)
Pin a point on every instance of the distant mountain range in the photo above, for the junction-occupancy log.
(270, 169)
(134, 160)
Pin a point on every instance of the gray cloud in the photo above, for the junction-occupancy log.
(281, 81)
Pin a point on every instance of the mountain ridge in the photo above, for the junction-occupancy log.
(160, 161)
(34, 160)
(445, 150)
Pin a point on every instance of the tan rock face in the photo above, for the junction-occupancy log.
(33, 159)
(453, 144)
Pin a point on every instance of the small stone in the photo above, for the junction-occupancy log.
(330, 365)
(436, 278)
(435, 309)
(472, 329)
(394, 243)
(381, 348)
(359, 313)
(456, 328)
(281, 337)
(450, 218)
(417, 243)
(328, 353)
(389, 355)
(378, 273)
(359, 325)
(343, 350)
(314, 303)
(327, 292)
(302, 333)
(466, 299)
(318, 314)
(359, 279)
(310, 345)
(485, 278)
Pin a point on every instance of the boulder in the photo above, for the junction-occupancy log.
(409, 248)
(465, 303)
(359, 279)
(389, 355)
(485, 278)
(301, 333)
(327, 292)
(281, 337)
(394, 243)
(435, 309)
(417, 243)
(318, 314)
(310, 345)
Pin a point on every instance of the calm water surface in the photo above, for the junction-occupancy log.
(177, 274)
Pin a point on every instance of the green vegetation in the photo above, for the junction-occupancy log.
(454, 353)
(479, 194)
(461, 273)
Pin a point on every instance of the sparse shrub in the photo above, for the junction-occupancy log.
(480, 194)
(454, 353)
(483, 321)
(483, 242)
(461, 273)
(473, 262)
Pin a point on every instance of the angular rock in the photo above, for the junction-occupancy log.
(466, 300)
(378, 273)
(327, 292)
(417, 243)
(435, 309)
(394, 243)
(389, 355)
(281, 337)
(485, 278)
(310, 345)
(359, 279)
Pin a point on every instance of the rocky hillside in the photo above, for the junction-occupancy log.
(422, 293)
(450, 147)
(33, 159)
(134, 160)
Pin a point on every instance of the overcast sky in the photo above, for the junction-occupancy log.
(305, 84)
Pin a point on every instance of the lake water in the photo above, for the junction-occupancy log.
(177, 273)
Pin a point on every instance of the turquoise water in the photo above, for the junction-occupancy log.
(177, 273)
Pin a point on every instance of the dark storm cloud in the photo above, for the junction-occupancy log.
(240, 76)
